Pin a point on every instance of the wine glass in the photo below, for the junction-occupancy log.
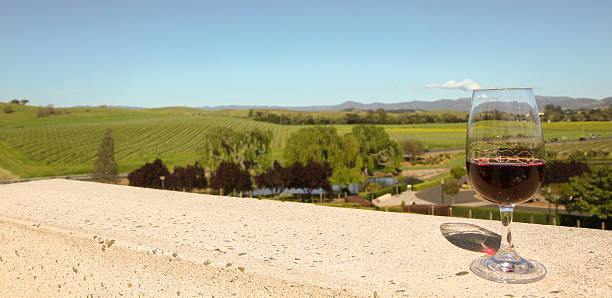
(505, 164)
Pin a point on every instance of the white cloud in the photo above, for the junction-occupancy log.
(466, 84)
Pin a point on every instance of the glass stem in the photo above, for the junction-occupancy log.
(506, 212)
(506, 252)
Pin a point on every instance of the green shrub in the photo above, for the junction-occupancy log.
(8, 109)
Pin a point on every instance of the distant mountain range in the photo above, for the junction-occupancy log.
(461, 104)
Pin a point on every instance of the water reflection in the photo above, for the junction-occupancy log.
(352, 188)
(471, 237)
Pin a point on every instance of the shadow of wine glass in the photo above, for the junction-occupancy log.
(471, 237)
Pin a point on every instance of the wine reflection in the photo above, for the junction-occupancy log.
(471, 237)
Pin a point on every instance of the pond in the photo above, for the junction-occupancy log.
(354, 188)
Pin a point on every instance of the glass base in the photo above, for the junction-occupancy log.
(510, 271)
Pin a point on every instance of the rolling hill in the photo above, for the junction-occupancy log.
(460, 104)
(65, 143)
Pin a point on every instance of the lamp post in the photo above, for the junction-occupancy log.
(442, 187)
(162, 178)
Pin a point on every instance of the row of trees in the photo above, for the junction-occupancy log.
(367, 148)
(19, 102)
(230, 177)
(308, 178)
(555, 113)
(48, 111)
(156, 175)
(379, 116)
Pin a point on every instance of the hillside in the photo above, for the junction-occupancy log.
(460, 104)
(66, 143)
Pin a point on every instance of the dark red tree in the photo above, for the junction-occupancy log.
(230, 177)
(176, 180)
(299, 176)
(317, 176)
(195, 177)
(277, 179)
(187, 178)
(148, 175)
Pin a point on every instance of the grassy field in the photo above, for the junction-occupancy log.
(66, 143)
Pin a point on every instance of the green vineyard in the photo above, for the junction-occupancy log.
(66, 147)
(66, 143)
(586, 146)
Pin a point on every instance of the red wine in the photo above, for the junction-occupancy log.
(505, 183)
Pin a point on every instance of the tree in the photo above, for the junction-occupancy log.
(248, 149)
(376, 149)
(8, 109)
(186, 178)
(352, 118)
(317, 176)
(276, 178)
(176, 180)
(46, 112)
(451, 188)
(412, 148)
(105, 167)
(299, 176)
(322, 144)
(369, 117)
(592, 193)
(230, 176)
(458, 172)
(149, 175)
(24, 102)
(195, 177)
(381, 116)
(15, 101)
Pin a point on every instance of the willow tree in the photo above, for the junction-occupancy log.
(322, 144)
(248, 149)
(376, 149)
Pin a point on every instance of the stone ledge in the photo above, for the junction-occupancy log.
(320, 250)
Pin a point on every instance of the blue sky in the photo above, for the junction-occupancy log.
(293, 53)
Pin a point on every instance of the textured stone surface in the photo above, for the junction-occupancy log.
(268, 247)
